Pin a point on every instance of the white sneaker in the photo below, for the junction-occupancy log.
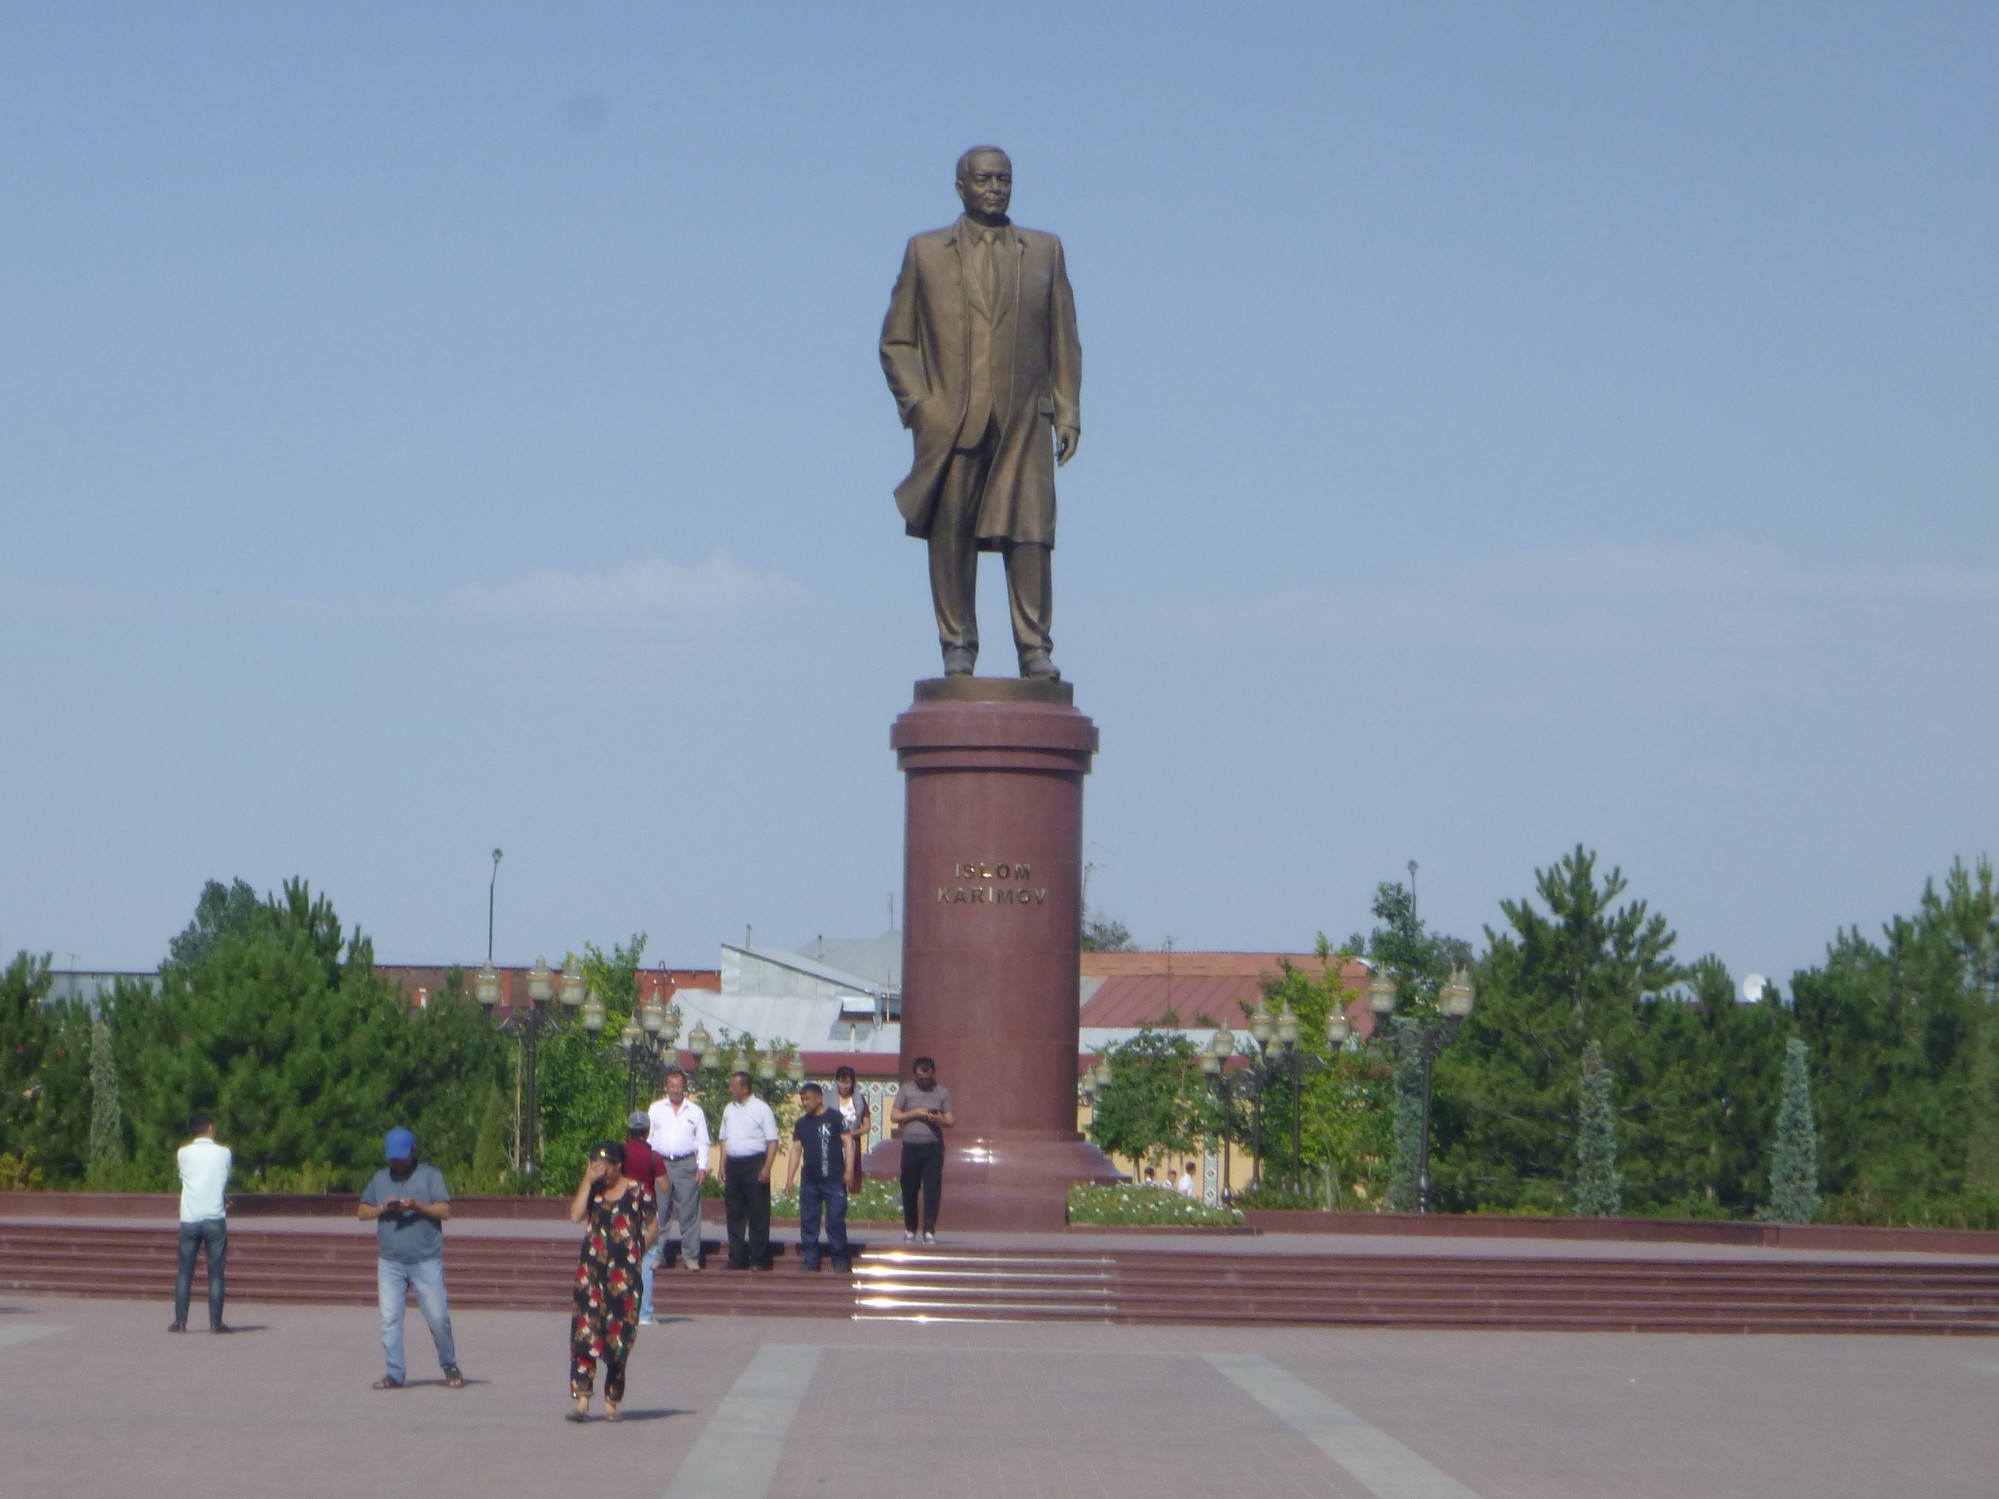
(647, 1322)
(930, 1238)
(908, 1237)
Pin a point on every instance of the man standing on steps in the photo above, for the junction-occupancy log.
(678, 1134)
(204, 1219)
(923, 1111)
(749, 1149)
(818, 1143)
(408, 1203)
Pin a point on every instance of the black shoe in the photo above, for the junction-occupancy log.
(843, 1266)
(219, 1327)
(176, 1327)
(733, 1266)
(452, 1378)
(958, 661)
(1036, 666)
(812, 1265)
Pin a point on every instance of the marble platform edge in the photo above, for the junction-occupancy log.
(963, 689)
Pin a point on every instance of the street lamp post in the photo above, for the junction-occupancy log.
(544, 985)
(646, 1039)
(1215, 1063)
(1432, 1034)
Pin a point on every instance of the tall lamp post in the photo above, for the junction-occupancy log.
(544, 986)
(1275, 1034)
(1432, 1034)
(1215, 1063)
(646, 1039)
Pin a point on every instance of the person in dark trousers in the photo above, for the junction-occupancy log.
(204, 1219)
(408, 1203)
(819, 1144)
(923, 1112)
(749, 1150)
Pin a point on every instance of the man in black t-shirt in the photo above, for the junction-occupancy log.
(818, 1143)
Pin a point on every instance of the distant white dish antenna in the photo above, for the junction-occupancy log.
(1753, 987)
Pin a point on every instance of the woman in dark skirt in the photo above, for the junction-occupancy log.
(623, 1220)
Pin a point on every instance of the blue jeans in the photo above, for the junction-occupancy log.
(832, 1196)
(393, 1278)
(211, 1235)
(646, 1268)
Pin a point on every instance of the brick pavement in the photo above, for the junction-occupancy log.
(113, 1405)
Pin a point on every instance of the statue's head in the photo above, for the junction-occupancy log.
(985, 182)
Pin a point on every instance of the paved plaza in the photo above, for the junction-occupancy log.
(100, 1400)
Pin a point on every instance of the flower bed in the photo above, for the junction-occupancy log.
(1140, 1206)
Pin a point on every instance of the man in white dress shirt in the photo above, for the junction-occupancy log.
(678, 1135)
(749, 1147)
(204, 1220)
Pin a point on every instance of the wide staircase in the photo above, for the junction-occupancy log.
(1551, 1293)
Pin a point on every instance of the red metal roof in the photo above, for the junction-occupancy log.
(1144, 988)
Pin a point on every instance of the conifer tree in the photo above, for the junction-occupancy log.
(1794, 1162)
(1405, 1180)
(1599, 1190)
(107, 1115)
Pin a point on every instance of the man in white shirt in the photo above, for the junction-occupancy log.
(204, 1221)
(677, 1131)
(749, 1147)
(1187, 1184)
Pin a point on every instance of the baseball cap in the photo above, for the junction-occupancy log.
(399, 1146)
(638, 1120)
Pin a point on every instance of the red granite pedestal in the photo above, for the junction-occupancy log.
(992, 892)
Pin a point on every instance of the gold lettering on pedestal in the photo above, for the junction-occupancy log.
(991, 895)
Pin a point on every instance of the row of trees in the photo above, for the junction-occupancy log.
(1598, 1072)
(270, 1015)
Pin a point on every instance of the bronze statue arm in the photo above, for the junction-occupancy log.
(901, 355)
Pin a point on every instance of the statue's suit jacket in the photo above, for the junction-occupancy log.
(1037, 378)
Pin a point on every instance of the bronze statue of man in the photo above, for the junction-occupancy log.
(981, 353)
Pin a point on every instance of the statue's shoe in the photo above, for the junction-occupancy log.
(1036, 666)
(958, 661)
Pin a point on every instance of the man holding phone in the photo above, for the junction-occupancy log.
(408, 1203)
(923, 1112)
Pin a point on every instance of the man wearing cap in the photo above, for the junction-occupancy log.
(408, 1202)
(645, 1167)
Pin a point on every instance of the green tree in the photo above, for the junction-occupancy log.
(1420, 961)
(1103, 933)
(1156, 1104)
(1794, 1163)
(107, 1114)
(1900, 1036)
(581, 1082)
(1599, 1191)
(1405, 1179)
(1346, 1134)
(1577, 968)
(24, 1037)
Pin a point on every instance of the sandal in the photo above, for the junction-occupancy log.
(611, 1412)
(386, 1383)
(453, 1380)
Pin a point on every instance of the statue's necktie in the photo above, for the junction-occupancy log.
(983, 262)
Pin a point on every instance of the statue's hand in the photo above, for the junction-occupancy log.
(1066, 439)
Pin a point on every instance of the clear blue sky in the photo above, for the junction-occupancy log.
(426, 428)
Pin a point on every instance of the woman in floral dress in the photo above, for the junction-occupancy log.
(623, 1219)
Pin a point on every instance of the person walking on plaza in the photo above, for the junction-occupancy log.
(408, 1203)
(855, 1118)
(749, 1150)
(819, 1144)
(643, 1165)
(204, 1219)
(923, 1112)
(1188, 1185)
(678, 1135)
(622, 1219)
